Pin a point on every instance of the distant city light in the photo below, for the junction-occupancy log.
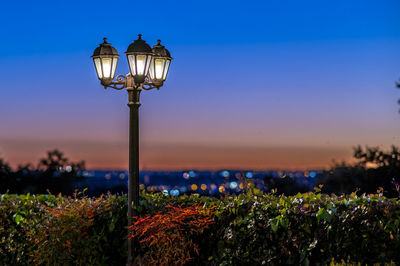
(174, 192)
(68, 168)
(225, 173)
(192, 174)
(222, 181)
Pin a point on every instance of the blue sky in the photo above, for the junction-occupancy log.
(254, 76)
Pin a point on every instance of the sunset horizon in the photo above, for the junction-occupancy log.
(113, 156)
(285, 87)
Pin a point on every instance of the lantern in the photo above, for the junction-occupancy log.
(139, 56)
(105, 58)
(160, 63)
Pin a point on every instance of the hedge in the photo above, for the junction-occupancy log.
(250, 228)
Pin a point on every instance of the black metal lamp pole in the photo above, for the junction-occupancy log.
(133, 183)
(148, 70)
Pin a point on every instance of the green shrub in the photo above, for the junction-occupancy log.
(47, 229)
(309, 228)
(306, 228)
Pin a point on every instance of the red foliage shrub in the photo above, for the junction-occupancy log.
(169, 238)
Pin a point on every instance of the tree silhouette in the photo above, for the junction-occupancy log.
(5, 176)
(377, 157)
(57, 164)
(55, 173)
(5, 169)
(374, 168)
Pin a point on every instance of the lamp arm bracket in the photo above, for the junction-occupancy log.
(118, 84)
(148, 85)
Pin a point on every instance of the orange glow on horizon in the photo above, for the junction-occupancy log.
(113, 156)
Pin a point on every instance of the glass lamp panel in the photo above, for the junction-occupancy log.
(151, 69)
(107, 67)
(148, 61)
(166, 68)
(114, 66)
(159, 67)
(97, 65)
(140, 64)
(131, 60)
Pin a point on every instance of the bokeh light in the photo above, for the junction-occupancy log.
(174, 192)
(192, 174)
(249, 175)
(225, 174)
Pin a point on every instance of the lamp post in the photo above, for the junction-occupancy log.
(141, 58)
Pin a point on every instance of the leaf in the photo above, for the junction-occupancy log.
(275, 225)
(323, 214)
(313, 244)
(17, 218)
(256, 191)
(111, 227)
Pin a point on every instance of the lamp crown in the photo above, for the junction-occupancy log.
(159, 50)
(139, 46)
(105, 49)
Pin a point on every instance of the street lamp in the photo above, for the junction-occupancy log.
(141, 57)
(160, 64)
(105, 58)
